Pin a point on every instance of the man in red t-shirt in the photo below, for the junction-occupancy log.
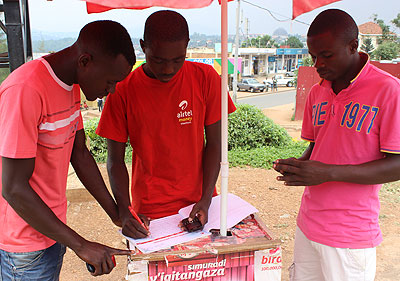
(42, 132)
(164, 108)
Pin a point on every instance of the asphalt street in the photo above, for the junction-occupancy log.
(267, 99)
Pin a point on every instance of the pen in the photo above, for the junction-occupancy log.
(137, 217)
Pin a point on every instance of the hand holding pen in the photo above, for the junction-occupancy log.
(135, 226)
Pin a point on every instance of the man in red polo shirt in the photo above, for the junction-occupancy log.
(351, 119)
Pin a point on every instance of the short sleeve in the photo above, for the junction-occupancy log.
(20, 115)
(213, 98)
(307, 129)
(113, 121)
(389, 121)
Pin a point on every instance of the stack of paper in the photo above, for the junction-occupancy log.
(166, 233)
(237, 210)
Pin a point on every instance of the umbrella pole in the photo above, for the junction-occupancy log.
(224, 115)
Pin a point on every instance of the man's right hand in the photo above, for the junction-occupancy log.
(132, 228)
(100, 256)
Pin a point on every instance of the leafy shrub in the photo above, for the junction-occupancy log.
(98, 145)
(262, 157)
(249, 128)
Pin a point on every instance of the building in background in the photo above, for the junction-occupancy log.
(369, 30)
(262, 61)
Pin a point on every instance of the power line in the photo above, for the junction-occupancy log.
(273, 16)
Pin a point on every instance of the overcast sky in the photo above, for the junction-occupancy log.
(71, 16)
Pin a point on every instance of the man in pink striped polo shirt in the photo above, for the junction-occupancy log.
(41, 132)
(352, 121)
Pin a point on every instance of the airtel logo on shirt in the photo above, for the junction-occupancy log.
(184, 117)
(183, 104)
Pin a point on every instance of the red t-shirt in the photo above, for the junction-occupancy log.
(165, 125)
(39, 116)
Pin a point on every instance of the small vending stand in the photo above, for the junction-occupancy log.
(248, 253)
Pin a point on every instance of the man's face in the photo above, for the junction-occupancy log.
(331, 55)
(164, 59)
(99, 76)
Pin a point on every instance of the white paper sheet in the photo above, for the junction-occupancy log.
(237, 210)
(165, 232)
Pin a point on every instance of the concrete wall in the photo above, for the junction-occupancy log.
(306, 78)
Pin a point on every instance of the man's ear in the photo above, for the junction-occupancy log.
(142, 45)
(354, 46)
(84, 59)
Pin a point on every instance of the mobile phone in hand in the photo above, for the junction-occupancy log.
(192, 226)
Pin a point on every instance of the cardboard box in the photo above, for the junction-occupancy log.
(249, 254)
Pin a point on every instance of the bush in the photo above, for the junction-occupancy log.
(98, 145)
(262, 157)
(249, 128)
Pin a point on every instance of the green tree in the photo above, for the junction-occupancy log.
(367, 46)
(264, 41)
(307, 61)
(396, 21)
(294, 42)
(386, 34)
(4, 72)
(387, 50)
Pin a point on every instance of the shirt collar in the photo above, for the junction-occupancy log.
(364, 57)
(360, 75)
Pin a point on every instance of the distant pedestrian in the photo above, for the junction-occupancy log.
(274, 84)
(85, 106)
(100, 104)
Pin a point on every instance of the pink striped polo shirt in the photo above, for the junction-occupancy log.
(39, 116)
(360, 124)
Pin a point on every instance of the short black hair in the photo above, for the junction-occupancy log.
(108, 37)
(167, 26)
(336, 22)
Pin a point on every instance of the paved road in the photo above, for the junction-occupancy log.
(269, 100)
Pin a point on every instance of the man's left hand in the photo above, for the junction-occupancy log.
(302, 173)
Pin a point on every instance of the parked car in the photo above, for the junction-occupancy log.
(281, 80)
(251, 84)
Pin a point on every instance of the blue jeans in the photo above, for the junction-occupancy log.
(43, 265)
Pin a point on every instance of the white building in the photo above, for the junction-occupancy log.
(369, 30)
(262, 61)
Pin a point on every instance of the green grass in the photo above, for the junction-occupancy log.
(264, 156)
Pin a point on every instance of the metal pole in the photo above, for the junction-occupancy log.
(224, 117)
(235, 69)
(18, 32)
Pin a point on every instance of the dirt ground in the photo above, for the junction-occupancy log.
(277, 205)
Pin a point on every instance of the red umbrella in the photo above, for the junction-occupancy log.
(304, 6)
(98, 6)
(299, 7)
